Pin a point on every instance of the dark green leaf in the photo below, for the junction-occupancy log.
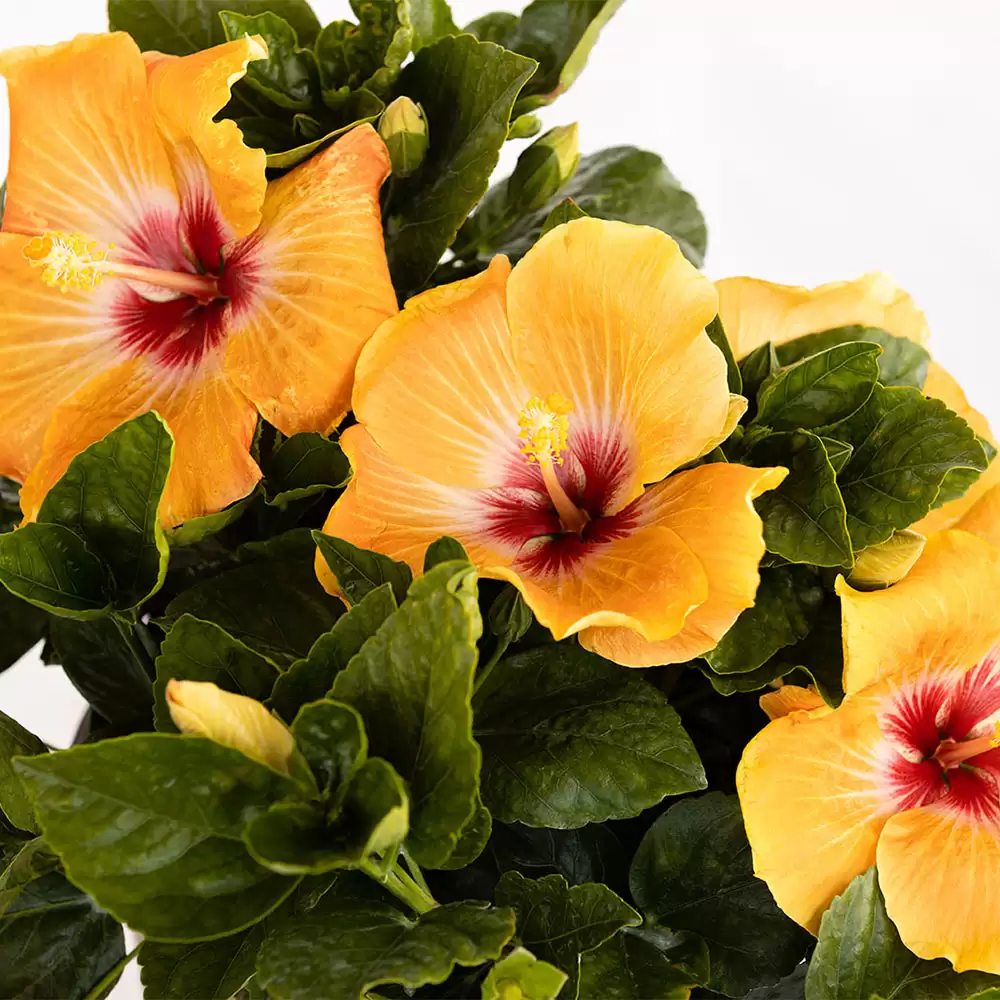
(15, 740)
(566, 211)
(302, 466)
(510, 617)
(348, 949)
(755, 369)
(558, 922)
(520, 970)
(359, 571)
(23, 626)
(693, 871)
(412, 683)
(54, 942)
(785, 609)
(569, 738)
(717, 334)
(805, 519)
(472, 840)
(820, 389)
(467, 90)
(110, 496)
(838, 452)
(752, 680)
(332, 739)
(445, 549)
(164, 815)
(630, 966)
(902, 362)
(199, 528)
(311, 678)
(859, 955)
(791, 987)
(431, 20)
(202, 651)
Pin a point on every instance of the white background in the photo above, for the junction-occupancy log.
(822, 139)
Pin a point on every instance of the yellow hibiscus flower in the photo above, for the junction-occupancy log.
(145, 263)
(525, 411)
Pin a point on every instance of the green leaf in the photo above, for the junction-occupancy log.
(180, 27)
(206, 970)
(23, 626)
(288, 76)
(110, 496)
(693, 871)
(896, 472)
(51, 567)
(755, 369)
(54, 942)
(431, 20)
(631, 966)
(558, 922)
(359, 571)
(472, 840)
(164, 815)
(467, 90)
(15, 740)
(197, 650)
(199, 528)
(820, 389)
(838, 452)
(510, 617)
(784, 610)
(445, 549)
(752, 680)
(569, 738)
(412, 683)
(805, 518)
(311, 678)
(566, 211)
(304, 465)
(274, 606)
(902, 362)
(350, 948)
(717, 334)
(521, 971)
(331, 737)
(859, 955)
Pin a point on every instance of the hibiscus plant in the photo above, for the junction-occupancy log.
(432, 554)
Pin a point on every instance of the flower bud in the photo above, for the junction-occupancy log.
(543, 168)
(403, 128)
(232, 720)
(888, 562)
(524, 127)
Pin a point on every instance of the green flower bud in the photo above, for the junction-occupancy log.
(543, 168)
(403, 128)
(524, 127)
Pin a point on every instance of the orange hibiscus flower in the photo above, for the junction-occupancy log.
(524, 412)
(145, 263)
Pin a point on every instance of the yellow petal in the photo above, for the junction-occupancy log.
(809, 790)
(612, 317)
(323, 288)
(755, 312)
(888, 562)
(232, 720)
(983, 517)
(711, 508)
(791, 698)
(940, 875)
(943, 614)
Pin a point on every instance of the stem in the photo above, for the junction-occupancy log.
(105, 984)
(137, 649)
(402, 887)
(487, 668)
(418, 875)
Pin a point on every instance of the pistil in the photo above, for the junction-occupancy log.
(951, 753)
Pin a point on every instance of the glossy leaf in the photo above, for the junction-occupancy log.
(15, 740)
(359, 571)
(472, 840)
(755, 369)
(566, 211)
(521, 971)
(331, 737)
(838, 452)
(199, 528)
(693, 871)
(348, 949)
(412, 684)
(558, 922)
(445, 549)
(164, 816)
(304, 465)
(430, 20)
(23, 626)
(569, 738)
(630, 966)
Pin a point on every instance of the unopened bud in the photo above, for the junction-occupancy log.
(888, 562)
(403, 128)
(524, 127)
(543, 168)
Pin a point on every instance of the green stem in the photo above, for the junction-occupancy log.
(416, 873)
(108, 981)
(127, 631)
(487, 668)
(402, 887)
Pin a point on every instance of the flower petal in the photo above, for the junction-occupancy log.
(436, 385)
(809, 790)
(212, 425)
(711, 509)
(940, 874)
(791, 698)
(85, 155)
(943, 614)
(322, 288)
(212, 164)
(754, 311)
(983, 517)
(612, 317)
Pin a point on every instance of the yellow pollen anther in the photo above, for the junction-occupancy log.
(544, 427)
(68, 260)
(995, 738)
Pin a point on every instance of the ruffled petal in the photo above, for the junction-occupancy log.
(940, 874)
(612, 317)
(944, 614)
(754, 312)
(322, 286)
(809, 790)
(212, 425)
(213, 166)
(983, 517)
(791, 698)
(436, 385)
(711, 509)
(85, 155)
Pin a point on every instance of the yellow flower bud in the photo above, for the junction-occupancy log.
(403, 128)
(543, 168)
(888, 562)
(232, 720)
